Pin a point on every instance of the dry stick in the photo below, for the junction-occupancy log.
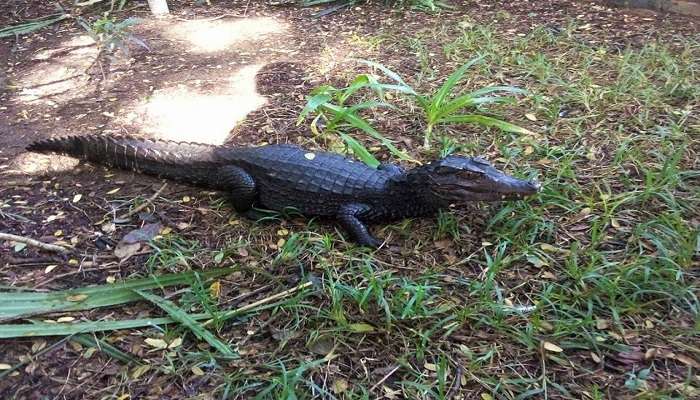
(457, 382)
(34, 242)
(145, 203)
(376, 385)
(261, 302)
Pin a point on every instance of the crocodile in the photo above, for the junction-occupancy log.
(281, 177)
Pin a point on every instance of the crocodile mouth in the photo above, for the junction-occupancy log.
(514, 189)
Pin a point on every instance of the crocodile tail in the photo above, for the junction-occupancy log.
(191, 163)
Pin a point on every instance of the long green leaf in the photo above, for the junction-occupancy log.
(360, 151)
(63, 329)
(182, 317)
(29, 27)
(312, 104)
(465, 101)
(450, 83)
(391, 74)
(363, 125)
(486, 121)
(104, 347)
(18, 304)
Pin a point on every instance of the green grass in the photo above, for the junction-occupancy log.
(602, 262)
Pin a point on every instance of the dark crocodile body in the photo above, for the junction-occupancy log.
(314, 183)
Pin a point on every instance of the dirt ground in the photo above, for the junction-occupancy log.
(234, 72)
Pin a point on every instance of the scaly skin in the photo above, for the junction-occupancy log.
(283, 177)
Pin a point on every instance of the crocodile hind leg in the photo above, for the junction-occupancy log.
(349, 218)
(239, 186)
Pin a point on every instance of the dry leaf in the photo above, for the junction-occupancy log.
(50, 268)
(602, 324)
(531, 117)
(157, 343)
(197, 371)
(430, 366)
(529, 150)
(339, 386)
(175, 343)
(125, 250)
(549, 346)
(140, 370)
(77, 198)
(113, 191)
(215, 289)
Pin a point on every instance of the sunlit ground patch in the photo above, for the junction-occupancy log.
(60, 73)
(184, 113)
(219, 35)
(38, 164)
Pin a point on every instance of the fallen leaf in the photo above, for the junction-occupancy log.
(687, 361)
(430, 366)
(175, 343)
(140, 370)
(531, 117)
(549, 346)
(157, 343)
(602, 324)
(529, 150)
(215, 289)
(108, 227)
(360, 328)
(322, 345)
(197, 371)
(339, 386)
(144, 234)
(536, 261)
(125, 250)
(595, 357)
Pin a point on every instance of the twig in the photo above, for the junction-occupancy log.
(145, 203)
(455, 385)
(261, 302)
(34, 242)
(376, 385)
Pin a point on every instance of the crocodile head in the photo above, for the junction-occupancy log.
(456, 179)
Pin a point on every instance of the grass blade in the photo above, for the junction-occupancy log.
(15, 305)
(451, 81)
(104, 347)
(312, 104)
(486, 121)
(360, 151)
(29, 27)
(363, 125)
(182, 317)
(391, 74)
(63, 329)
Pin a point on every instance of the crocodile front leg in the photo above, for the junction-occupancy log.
(240, 186)
(349, 218)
